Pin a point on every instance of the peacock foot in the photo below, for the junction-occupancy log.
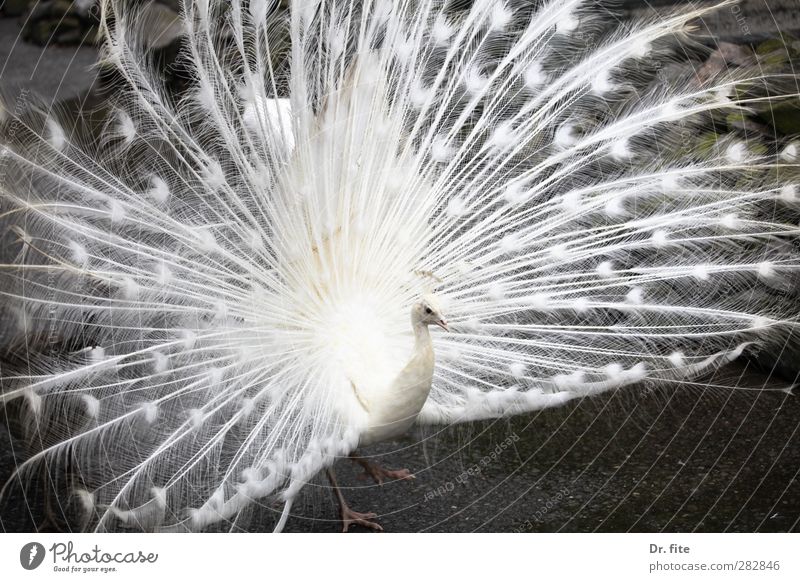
(379, 474)
(350, 517)
(347, 515)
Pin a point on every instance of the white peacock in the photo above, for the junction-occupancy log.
(230, 282)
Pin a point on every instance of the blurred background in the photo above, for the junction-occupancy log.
(687, 458)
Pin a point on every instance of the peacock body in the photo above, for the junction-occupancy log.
(220, 297)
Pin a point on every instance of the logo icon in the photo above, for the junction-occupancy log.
(31, 555)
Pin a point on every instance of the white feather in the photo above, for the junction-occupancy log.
(267, 245)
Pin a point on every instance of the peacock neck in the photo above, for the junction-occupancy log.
(422, 337)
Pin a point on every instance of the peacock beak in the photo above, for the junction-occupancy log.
(443, 324)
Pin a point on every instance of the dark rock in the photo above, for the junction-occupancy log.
(61, 22)
(15, 7)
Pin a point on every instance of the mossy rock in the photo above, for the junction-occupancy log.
(784, 117)
(15, 7)
(60, 22)
(790, 47)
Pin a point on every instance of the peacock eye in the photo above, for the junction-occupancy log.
(428, 310)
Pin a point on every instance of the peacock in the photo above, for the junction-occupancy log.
(410, 212)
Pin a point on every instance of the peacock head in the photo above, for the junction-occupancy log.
(427, 312)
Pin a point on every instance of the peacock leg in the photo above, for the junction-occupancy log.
(378, 473)
(348, 516)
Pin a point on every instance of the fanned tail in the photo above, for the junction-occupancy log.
(602, 232)
(191, 297)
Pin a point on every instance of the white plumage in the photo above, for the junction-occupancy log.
(224, 296)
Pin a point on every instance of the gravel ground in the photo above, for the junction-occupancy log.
(691, 459)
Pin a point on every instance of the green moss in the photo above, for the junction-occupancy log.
(784, 117)
(706, 143)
